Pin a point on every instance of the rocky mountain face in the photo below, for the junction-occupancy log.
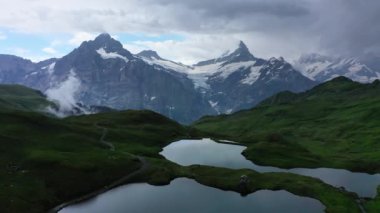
(236, 80)
(13, 69)
(102, 73)
(323, 68)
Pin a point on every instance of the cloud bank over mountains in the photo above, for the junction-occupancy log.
(270, 28)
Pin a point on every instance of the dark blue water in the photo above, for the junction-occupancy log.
(208, 152)
(187, 196)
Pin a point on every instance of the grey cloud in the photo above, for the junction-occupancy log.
(335, 26)
(348, 27)
(233, 15)
(229, 8)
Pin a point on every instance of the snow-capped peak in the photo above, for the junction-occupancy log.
(150, 54)
(110, 55)
(242, 46)
(103, 36)
(240, 54)
(104, 45)
(323, 68)
(248, 68)
(223, 66)
(106, 41)
(240, 60)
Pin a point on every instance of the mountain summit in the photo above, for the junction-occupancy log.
(240, 54)
(238, 80)
(104, 37)
(104, 45)
(149, 54)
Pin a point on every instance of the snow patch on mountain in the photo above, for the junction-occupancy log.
(356, 68)
(228, 69)
(206, 69)
(167, 64)
(110, 55)
(312, 70)
(50, 68)
(200, 74)
(199, 80)
(229, 111)
(213, 104)
(252, 76)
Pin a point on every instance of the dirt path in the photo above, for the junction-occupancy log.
(104, 134)
(360, 204)
(144, 167)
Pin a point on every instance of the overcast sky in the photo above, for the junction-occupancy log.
(192, 30)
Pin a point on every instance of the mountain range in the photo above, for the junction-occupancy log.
(236, 80)
(102, 72)
(322, 68)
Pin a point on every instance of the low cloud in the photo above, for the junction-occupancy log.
(80, 37)
(189, 51)
(3, 36)
(50, 50)
(18, 51)
(195, 48)
(65, 93)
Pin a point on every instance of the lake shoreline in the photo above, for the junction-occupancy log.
(163, 171)
(124, 180)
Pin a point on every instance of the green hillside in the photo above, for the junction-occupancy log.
(16, 97)
(335, 124)
(46, 161)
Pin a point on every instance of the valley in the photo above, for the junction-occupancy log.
(82, 164)
(48, 161)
